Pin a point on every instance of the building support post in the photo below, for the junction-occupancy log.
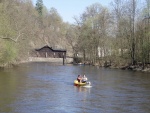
(63, 60)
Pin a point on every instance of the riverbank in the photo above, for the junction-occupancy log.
(33, 59)
(138, 67)
(70, 61)
(132, 67)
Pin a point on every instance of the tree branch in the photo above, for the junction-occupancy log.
(14, 40)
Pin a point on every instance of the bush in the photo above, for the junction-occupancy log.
(8, 53)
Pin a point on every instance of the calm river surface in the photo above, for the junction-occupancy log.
(48, 88)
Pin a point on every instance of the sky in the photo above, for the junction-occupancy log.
(68, 9)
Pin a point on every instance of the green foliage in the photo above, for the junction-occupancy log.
(7, 50)
(8, 53)
(39, 7)
(5, 28)
(146, 50)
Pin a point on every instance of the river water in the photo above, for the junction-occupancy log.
(48, 88)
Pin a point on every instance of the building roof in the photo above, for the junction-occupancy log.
(55, 50)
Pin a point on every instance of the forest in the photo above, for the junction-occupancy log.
(116, 36)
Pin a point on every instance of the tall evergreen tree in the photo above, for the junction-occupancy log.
(39, 6)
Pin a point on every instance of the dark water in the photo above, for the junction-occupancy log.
(48, 88)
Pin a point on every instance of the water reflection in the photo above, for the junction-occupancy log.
(82, 89)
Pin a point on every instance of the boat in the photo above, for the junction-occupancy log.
(85, 84)
(76, 83)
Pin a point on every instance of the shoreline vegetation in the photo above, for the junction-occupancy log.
(117, 36)
(138, 67)
(122, 67)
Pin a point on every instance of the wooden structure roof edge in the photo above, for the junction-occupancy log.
(56, 50)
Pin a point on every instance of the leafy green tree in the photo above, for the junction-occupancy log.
(39, 7)
(94, 25)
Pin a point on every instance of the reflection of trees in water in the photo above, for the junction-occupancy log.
(10, 83)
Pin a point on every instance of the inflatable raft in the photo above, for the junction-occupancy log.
(76, 83)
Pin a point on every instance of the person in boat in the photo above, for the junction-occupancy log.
(84, 79)
(79, 78)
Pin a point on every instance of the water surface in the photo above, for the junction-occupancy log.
(48, 88)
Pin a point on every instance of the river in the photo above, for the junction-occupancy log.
(48, 88)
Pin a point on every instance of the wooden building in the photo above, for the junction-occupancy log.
(49, 52)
